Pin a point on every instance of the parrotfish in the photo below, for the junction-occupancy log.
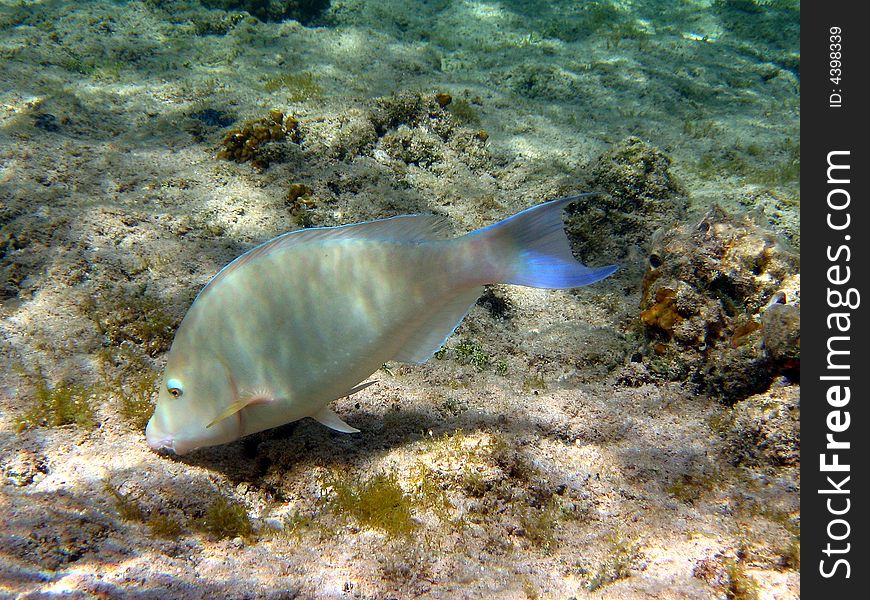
(303, 319)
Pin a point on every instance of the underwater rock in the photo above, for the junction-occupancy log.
(356, 135)
(46, 122)
(409, 127)
(408, 108)
(304, 11)
(781, 334)
(706, 295)
(637, 172)
(23, 468)
(414, 110)
(344, 136)
(640, 195)
(413, 146)
(764, 429)
(201, 123)
(250, 141)
(777, 211)
(212, 117)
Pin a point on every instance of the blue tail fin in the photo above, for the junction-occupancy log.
(536, 250)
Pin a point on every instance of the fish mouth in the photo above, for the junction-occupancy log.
(165, 443)
(160, 444)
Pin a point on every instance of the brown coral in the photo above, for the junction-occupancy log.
(706, 305)
(246, 143)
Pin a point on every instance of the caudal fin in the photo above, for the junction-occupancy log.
(536, 250)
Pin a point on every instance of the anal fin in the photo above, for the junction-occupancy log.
(434, 331)
(360, 387)
(327, 417)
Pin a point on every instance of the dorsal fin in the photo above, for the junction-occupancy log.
(401, 228)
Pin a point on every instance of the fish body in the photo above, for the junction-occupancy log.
(301, 320)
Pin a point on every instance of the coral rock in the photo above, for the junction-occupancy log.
(705, 305)
(765, 428)
(640, 196)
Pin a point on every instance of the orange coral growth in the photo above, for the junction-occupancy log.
(663, 314)
(244, 143)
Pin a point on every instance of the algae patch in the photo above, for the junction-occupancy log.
(221, 518)
(378, 502)
(623, 556)
(132, 317)
(299, 86)
(225, 518)
(59, 405)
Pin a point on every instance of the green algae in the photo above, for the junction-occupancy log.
(304, 11)
(779, 165)
(464, 112)
(534, 382)
(222, 518)
(690, 486)
(471, 352)
(58, 405)
(623, 554)
(299, 86)
(127, 507)
(130, 379)
(292, 527)
(136, 404)
(164, 526)
(739, 585)
(133, 317)
(215, 23)
(627, 30)
(539, 525)
(226, 518)
(377, 502)
(430, 491)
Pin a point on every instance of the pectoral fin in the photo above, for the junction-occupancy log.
(235, 407)
(327, 417)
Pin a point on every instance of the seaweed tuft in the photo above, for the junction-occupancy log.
(59, 405)
(225, 518)
(377, 502)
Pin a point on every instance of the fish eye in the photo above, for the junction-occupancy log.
(173, 386)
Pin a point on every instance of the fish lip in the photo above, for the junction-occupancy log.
(167, 445)
(180, 449)
(164, 443)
